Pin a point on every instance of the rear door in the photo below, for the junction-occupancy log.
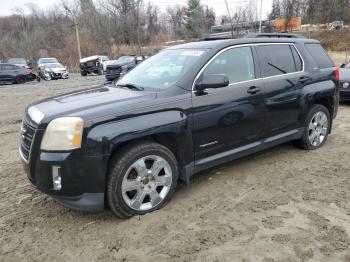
(7, 72)
(282, 69)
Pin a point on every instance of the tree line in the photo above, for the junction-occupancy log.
(312, 11)
(109, 26)
(104, 28)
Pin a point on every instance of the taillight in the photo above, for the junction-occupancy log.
(336, 73)
(29, 70)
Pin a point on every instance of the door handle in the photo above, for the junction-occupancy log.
(253, 90)
(304, 79)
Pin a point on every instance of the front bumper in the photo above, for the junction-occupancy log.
(88, 202)
(111, 77)
(82, 178)
(344, 94)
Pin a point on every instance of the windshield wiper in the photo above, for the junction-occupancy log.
(132, 86)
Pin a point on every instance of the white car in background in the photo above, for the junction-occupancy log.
(93, 64)
(53, 71)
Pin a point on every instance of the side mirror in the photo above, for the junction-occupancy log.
(212, 81)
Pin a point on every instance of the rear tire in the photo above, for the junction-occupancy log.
(83, 73)
(20, 80)
(142, 178)
(317, 127)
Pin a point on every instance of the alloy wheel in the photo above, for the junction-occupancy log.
(146, 183)
(318, 129)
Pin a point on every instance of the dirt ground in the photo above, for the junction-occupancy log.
(283, 204)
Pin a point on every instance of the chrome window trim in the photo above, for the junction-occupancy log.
(250, 45)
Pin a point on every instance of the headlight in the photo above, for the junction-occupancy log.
(124, 67)
(346, 85)
(63, 133)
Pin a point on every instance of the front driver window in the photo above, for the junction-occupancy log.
(236, 63)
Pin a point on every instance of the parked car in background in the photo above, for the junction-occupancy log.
(53, 71)
(19, 61)
(93, 64)
(45, 60)
(128, 144)
(344, 81)
(14, 74)
(24, 63)
(121, 66)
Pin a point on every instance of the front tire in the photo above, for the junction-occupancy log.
(317, 127)
(141, 179)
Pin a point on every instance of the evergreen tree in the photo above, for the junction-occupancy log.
(193, 19)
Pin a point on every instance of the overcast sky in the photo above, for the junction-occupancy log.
(7, 6)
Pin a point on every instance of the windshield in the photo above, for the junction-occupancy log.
(163, 69)
(124, 59)
(48, 60)
(19, 61)
(54, 66)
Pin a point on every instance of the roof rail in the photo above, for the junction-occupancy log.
(215, 38)
(274, 35)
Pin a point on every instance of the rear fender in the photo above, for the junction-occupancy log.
(315, 92)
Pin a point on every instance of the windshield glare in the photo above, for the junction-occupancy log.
(54, 66)
(48, 60)
(163, 69)
(123, 59)
(17, 61)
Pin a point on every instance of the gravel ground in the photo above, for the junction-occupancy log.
(283, 204)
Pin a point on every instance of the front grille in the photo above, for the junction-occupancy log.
(114, 70)
(28, 129)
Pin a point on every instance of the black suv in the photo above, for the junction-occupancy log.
(186, 109)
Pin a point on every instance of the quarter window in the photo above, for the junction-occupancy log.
(319, 55)
(278, 60)
(236, 63)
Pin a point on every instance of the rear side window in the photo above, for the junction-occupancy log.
(7, 67)
(319, 55)
(278, 60)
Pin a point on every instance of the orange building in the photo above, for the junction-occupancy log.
(294, 24)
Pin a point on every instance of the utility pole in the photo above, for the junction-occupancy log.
(76, 28)
(260, 24)
(77, 33)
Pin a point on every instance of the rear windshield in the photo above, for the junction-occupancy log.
(319, 55)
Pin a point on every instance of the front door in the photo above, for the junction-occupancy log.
(229, 117)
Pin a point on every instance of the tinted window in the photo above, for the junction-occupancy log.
(297, 59)
(276, 60)
(7, 67)
(319, 55)
(236, 63)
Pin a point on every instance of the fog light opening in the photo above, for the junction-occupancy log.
(56, 177)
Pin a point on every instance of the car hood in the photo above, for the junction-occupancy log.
(118, 64)
(57, 70)
(93, 103)
(344, 74)
(90, 58)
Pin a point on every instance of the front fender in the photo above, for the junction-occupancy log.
(105, 138)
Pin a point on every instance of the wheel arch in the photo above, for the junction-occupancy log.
(167, 139)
